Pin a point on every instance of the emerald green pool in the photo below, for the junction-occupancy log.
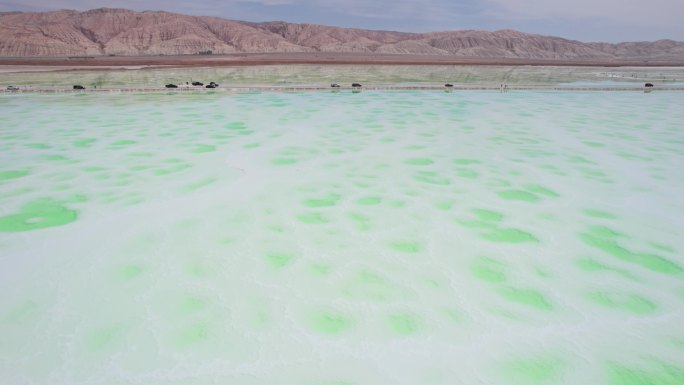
(320, 238)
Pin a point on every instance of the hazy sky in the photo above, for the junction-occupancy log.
(587, 20)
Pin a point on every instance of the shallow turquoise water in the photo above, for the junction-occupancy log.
(337, 238)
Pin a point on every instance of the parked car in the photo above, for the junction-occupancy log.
(79, 87)
(197, 83)
(335, 85)
(210, 86)
(171, 85)
(356, 85)
(12, 88)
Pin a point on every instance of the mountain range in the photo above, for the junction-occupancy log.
(106, 32)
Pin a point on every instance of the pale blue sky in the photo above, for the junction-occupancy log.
(586, 20)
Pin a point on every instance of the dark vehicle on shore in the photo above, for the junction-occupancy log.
(171, 85)
(448, 85)
(356, 85)
(210, 86)
(79, 87)
(648, 85)
(12, 88)
(197, 83)
(335, 85)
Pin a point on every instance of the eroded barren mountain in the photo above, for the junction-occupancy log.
(122, 32)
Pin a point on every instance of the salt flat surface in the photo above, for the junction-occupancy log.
(407, 237)
(395, 75)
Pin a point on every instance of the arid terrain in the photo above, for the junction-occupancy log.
(122, 37)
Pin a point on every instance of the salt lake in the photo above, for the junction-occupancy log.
(374, 237)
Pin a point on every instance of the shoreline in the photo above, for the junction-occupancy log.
(108, 63)
(371, 87)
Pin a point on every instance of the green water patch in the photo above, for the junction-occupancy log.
(534, 371)
(313, 218)
(190, 305)
(176, 168)
(38, 146)
(542, 272)
(124, 142)
(605, 239)
(591, 265)
(631, 303)
(635, 157)
(192, 335)
(431, 177)
(487, 216)
(488, 269)
(279, 260)
(198, 269)
(284, 161)
(599, 214)
(22, 313)
(198, 184)
(489, 220)
(509, 235)
(363, 222)
(367, 285)
(445, 205)
(104, 338)
(406, 247)
(320, 269)
(528, 297)
(13, 174)
(59, 158)
(38, 214)
(202, 148)
(330, 322)
(662, 247)
(84, 142)
(580, 160)
(657, 373)
(413, 147)
(327, 201)
(128, 272)
(15, 193)
(369, 201)
(592, 173)
(419, 161)
(403, 324)
(518, 195)
(541, 190)
(276, 229)
(677, 342)
(467, 173)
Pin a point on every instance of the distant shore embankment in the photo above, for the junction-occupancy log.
(137, 62)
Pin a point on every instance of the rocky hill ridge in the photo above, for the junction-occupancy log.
(107, 31)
